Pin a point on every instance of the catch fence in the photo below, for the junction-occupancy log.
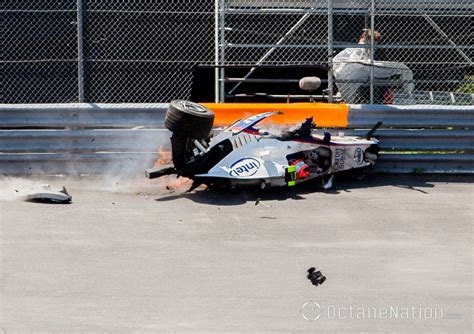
(143, 51)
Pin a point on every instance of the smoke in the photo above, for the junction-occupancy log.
(277, 130)
(128, 156)
(108, 160)
(13, 189)
(128, 174)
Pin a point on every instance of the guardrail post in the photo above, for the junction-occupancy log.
(80, 52)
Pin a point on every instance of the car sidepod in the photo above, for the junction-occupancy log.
(350, 153)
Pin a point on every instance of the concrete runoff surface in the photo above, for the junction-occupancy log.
(396, 250)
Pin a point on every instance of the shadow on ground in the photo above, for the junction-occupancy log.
(223, 197)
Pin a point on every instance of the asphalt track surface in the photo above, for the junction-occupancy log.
(139, 257)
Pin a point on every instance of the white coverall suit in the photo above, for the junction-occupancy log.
(353, 64)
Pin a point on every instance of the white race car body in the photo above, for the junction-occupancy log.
(259, 158)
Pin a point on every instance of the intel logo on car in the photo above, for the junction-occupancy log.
(245, 167)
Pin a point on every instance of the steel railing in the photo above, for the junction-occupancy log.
(83, 138)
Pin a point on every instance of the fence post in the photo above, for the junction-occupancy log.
(222, 42)
(330, 52)
(372, 49)
(219, 57)
(80, 52)
(216, 51)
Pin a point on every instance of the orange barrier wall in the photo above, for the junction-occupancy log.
(324, 114)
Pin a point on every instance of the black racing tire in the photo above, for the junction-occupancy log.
(179, 147)
(189, 119)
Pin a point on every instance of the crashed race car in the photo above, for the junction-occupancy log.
(243, 155)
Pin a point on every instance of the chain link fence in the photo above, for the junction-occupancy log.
(38, 51)
(145, 51)
(106, 51)
(57, 51)
(421, 51)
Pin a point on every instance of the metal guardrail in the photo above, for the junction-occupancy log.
(426, 163)
(421, 138)
(414, 117)
(82, 141)
(147, 140)
(125, 138)
(81, 138)
(83, 115)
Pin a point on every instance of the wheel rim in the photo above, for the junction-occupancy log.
(193, 106)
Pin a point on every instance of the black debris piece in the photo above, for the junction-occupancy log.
(315, 276)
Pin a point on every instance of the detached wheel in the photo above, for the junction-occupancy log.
(189, 119)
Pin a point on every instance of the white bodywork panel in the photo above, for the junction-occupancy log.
(260, 158)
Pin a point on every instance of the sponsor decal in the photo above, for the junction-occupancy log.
(359, 156)
(243, 124)
(244, 167)
(340, 159)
